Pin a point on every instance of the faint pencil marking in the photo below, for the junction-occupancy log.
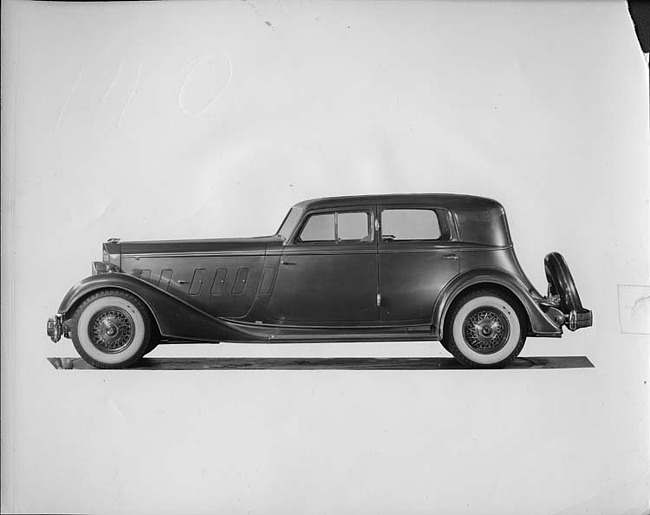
(284, 13)
(111, 86)
(131, 94)
(259, 14)
(193, 66)
(64, 107)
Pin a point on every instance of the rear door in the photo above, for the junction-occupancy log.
(328, 271)
(417, 257)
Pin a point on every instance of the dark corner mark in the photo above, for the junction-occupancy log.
(556, 362)
(640, 14)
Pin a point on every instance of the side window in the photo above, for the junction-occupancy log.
(337, 227)
(353, 227)
(409, 224)
(319, 228)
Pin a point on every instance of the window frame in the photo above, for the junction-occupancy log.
(369, 212)
(442, 214)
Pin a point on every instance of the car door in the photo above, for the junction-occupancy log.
(328, 271)
(417, 257)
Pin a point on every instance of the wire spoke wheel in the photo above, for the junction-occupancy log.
(111, 330)
(486, 330)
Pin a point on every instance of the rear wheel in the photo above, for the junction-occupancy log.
(484, 329)
(111, 329)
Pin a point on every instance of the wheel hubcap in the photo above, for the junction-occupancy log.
(486, 330)
(111, 330)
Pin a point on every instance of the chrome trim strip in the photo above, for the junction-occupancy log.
(140, 255)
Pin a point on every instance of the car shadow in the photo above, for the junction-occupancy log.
(399, 363)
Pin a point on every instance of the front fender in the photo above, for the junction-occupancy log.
(540, 323)
(175, 317)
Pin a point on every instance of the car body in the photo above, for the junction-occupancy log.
(363, 268)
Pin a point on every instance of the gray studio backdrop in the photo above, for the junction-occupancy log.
(209, 119)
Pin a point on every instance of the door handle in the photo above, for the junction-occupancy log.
(289, 263)
(450, 256)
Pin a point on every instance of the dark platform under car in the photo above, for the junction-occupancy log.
(364, 268)
(347, 363)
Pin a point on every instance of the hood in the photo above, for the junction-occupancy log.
(247, 245)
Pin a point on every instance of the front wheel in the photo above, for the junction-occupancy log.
(484, 329)
(111, 329)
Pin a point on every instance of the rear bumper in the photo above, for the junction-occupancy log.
(579, 319)
(573, 320)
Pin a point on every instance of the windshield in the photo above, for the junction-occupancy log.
(290, 222)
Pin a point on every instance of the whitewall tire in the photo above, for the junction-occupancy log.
(111, 329)
(485, 329)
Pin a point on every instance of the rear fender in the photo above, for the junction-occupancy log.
(539, 323)
(175, 317)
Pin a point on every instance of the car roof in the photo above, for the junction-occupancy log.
(448, 200)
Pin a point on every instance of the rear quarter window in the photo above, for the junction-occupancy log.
(487, 226)
(410, 224)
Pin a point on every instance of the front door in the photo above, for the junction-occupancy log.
(416, 259)
(328, 272)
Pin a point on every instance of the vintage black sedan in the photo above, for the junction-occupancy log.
(364, 268)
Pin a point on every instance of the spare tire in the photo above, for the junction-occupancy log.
(561, 282)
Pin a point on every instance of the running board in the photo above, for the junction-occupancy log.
(257, 333)
(351, 337)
